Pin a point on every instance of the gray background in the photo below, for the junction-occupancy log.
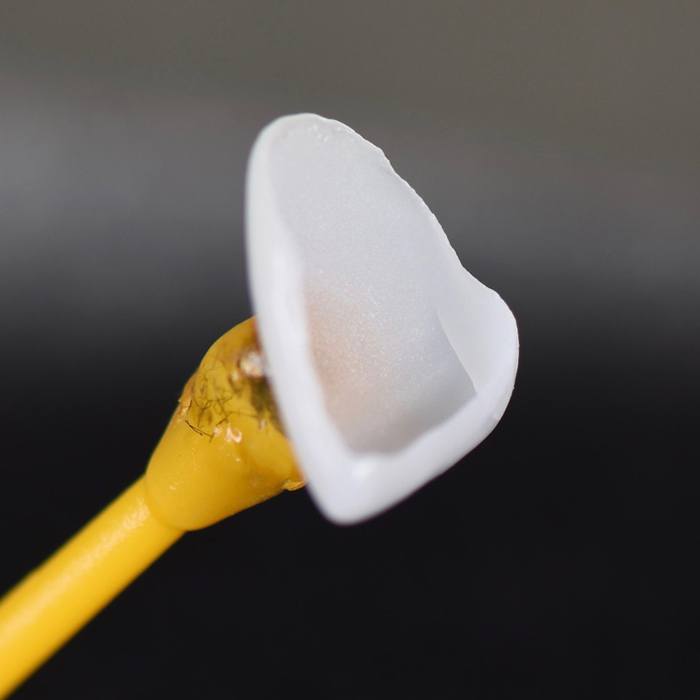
(558, 143)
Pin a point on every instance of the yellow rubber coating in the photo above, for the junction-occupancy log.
(58, 598)
(223, 451)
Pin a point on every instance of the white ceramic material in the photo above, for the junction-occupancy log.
(388, 360)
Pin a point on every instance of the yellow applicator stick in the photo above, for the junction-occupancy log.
(223, 451)
(62, 595)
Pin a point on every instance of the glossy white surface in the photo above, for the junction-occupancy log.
(389, 361)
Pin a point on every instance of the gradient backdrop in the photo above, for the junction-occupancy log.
(559, 145)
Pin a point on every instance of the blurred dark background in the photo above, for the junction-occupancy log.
(559, 145)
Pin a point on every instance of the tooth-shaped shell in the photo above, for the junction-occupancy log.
(388, 360)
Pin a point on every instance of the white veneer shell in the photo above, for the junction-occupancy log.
(388, 360)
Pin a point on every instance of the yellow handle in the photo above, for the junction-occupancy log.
(57, 599)
(223, 451)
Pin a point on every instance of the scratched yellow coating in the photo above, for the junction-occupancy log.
(222, 451)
